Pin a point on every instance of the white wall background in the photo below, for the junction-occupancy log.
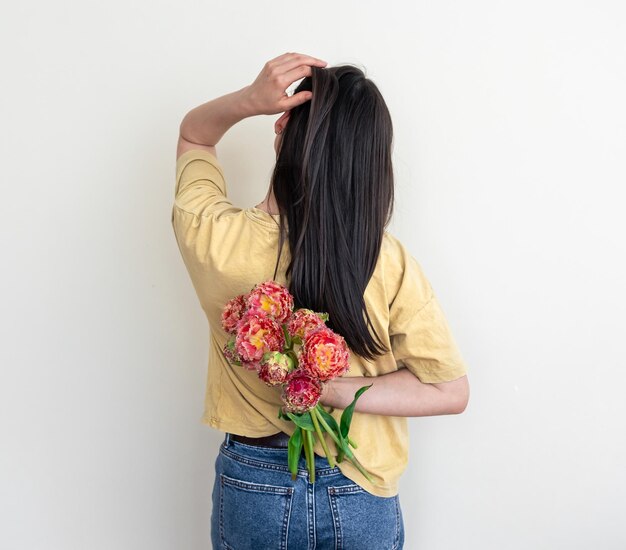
(510, 133)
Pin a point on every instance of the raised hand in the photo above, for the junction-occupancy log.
(267, 94)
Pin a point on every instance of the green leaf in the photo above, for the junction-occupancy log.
(302, 420)
(346, 416)
(294, 448)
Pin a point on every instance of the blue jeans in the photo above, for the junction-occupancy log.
(256, 505)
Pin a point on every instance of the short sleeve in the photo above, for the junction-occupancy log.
(421, 339)
(200, 184)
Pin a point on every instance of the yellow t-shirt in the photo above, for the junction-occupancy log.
(227, 250)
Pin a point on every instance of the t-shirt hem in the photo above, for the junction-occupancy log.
(346, 468)
(236, 428)
(378, 490)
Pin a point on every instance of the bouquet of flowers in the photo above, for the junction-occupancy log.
(296, 351)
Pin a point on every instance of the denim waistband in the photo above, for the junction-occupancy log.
(274, 457)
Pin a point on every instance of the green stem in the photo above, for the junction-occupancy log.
(351, 442)
(331, 432)
(352, 459)
(310, 455)
(360, 468)
(326, 426)
(321, 437)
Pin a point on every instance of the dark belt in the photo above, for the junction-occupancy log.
(280, 440)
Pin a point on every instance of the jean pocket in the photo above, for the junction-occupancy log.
(253, 515)
(363, 520)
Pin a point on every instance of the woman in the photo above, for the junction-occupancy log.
(321, 232)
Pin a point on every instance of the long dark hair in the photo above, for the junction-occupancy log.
(333, 182)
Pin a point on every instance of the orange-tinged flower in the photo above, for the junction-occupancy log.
(324, 354)
(257, 335)
(302, 320)
(270, 299)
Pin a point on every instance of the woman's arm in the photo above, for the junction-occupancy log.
(206, 124)
(398, 393)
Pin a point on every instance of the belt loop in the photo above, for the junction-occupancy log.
(227, 439)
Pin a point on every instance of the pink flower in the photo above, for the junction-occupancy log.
(256, 336)
(270, 299)
(230, 352)
(324, 354)
(275, 367)
(302, 320)
(233, 311)
(301, 392)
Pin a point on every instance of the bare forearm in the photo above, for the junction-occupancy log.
(398, 393)
(207, 123)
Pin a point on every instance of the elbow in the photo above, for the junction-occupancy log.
(460, 400)
(459, 406)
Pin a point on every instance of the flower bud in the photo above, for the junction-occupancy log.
(275, 367)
